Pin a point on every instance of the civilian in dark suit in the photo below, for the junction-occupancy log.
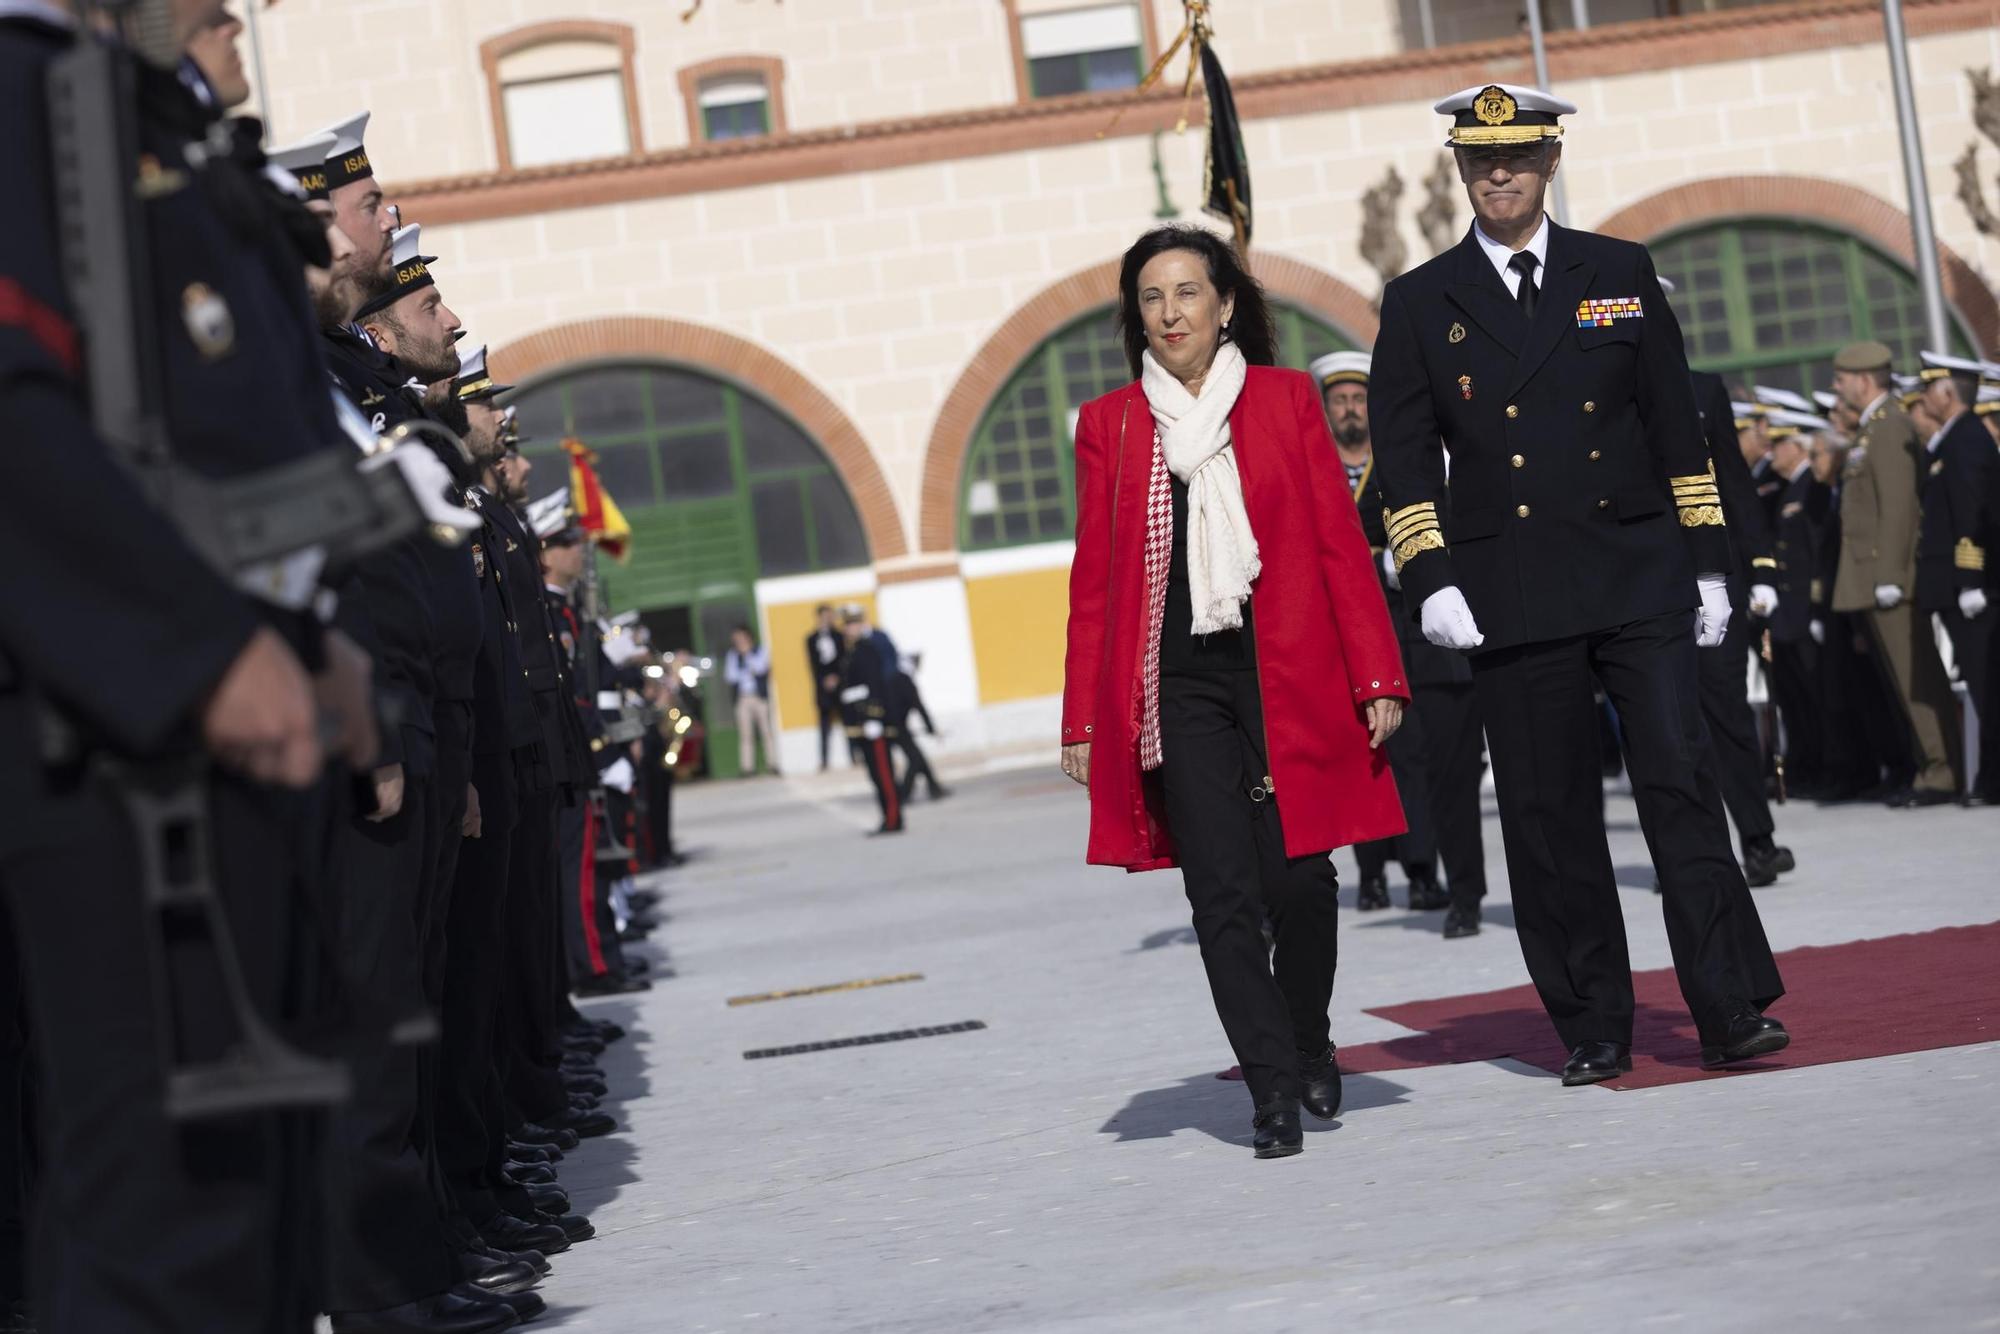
(826, 660)
(1580, 532)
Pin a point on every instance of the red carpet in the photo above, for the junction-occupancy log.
(1842, 1003)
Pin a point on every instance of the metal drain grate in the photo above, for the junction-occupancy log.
(870, 1040)
(857, 985)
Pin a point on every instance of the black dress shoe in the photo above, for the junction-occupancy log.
(574, 1226)
(557, 1135)
(939, 793)
(584, 1084)
(1745, 1035)
(1913, 798)
(587, 1125)
(1373, 894)
(1595, 1062)
(508, 1233)
(535, 1260)
(525, 1305)
(641, 899)
(582, 1102)
(1426, 895)
(1321, 1077)
(886, 829)
(532, 1153)
(1764, 861)
(610, 984)
(446, 1313)
(1276, 1126)
(1461, 922)
(634, 935)
(548, 1199)
(636, 965)
(582, 1044)
(529, 1174)
(489, 1273)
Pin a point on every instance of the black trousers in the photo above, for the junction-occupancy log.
(1542, 725)
(1795, 676)
(915, 766)
(1410, 761)
(471, 1134)
(1457, 748)
(1231, 849)
(536, 986)
(889, 794)
(17, 1121)
(1736, 753)
(1971, 651)
(590, 926)
(829, 725)
(660, 803)
(1864, 734)
(144, 1226)
(386, 1243)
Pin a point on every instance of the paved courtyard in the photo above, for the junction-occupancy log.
(1074, 1165)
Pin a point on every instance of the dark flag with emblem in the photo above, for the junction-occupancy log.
(1228, 166)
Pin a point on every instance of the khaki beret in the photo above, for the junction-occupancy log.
(1864, 357)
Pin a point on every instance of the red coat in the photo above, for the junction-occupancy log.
(1324, 642)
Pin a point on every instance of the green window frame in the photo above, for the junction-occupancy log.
(736, 120)
(1769, 300)
(1018, 483)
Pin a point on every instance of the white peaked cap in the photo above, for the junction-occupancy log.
(550, 514)
(347, 134)
(308, 152)
(1782, 398)
(1338, 366)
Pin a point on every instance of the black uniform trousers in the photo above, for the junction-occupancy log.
(915, 766)
(1457, 751)
(442, 849)
(144, 1226)
(1542, 725)
(659, 780)
(17, 1122)
(530, 1045)
(1735, 753)
(889, 794)
(586, 903)
(1795, 675)
(1410, 762)
(471, 1109)
(385, 1239)
(1231, 850)
(1864, 735)
(1971, 651)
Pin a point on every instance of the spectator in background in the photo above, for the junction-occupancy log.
(747, 668)
(826, 659)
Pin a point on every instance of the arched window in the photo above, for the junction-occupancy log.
(734, 97)
(1769, 302)
(1019, 482)
(563, 92)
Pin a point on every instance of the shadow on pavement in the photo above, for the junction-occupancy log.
(1221, 1109)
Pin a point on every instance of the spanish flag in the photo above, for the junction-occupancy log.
(596, 512)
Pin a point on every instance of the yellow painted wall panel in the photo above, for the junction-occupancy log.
(786, 625)
(1019, 627)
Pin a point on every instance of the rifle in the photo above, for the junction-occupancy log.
(270, 533)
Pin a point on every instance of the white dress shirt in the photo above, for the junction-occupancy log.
(1502, 257)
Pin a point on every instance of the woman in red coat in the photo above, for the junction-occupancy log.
(1232, 672)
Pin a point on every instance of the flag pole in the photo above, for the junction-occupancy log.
(1923, 239)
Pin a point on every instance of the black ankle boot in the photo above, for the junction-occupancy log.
(1321, 1076)
(1277, 1128)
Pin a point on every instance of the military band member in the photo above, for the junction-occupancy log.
(1877, 575)
(867, 712)
(1958, 525)
(1437, 754)
(1580, 543)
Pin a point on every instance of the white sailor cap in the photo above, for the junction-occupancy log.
(1781, 398)
(1827, 399)
(301, 167)
(1937, 365)
(1798, 421)
(1340, 368)
(474, 381)
(347, 160)
(549, 515)
(409, 269)
(1666, 284)
(1746, 413)
(1503, 113)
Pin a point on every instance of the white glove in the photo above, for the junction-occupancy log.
(1971, 602)
(1389, 574)
(1817, 629)
(872, 731)
(1448, 622)
(617, 776)
(1763, 601)
(1887, 596)
(1711, 622)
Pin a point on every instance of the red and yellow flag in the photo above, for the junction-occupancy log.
(596, 512)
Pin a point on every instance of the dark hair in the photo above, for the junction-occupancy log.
(822, 609)
(452, 416)
(1249, 324)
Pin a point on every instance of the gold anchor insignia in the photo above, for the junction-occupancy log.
(1457, 334)
(1495, 107)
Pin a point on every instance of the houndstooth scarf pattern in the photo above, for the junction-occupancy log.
(1159, 562)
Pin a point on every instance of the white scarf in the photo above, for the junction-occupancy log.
(1194, 436)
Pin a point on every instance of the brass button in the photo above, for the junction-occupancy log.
(1604, 504)
(1521, 510)
(1518, 460)
(1589, 406)
(1595, 455)
(1513, 411)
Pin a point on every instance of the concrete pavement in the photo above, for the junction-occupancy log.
(1075, 1165)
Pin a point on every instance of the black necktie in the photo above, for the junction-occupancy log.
(1526, 294)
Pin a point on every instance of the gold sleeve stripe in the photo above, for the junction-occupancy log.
(1968, 555)
(1708, 476)
(1424, 507)
(1701, 516)
(1428, 540)
(1405, 520)
(1763, 563)
(1397, 532)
